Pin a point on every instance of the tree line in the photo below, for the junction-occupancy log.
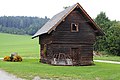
(110, 42)
(21, 24)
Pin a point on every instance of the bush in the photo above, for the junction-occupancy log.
(13, 58)
(17, 59)
(7, 58)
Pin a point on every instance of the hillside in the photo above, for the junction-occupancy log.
(21, 24)
(23, 44)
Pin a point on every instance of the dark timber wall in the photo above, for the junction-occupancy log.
(78, 45)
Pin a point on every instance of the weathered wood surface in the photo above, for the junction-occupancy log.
(78, 45)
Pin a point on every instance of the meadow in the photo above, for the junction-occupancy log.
(108, 57)
(22, 44)
(29, 68)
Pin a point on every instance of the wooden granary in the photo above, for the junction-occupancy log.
(68, 38)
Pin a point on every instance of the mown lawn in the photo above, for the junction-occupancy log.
(108, 57)
(22, 44)
(30, 68)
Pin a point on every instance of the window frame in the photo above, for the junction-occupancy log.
(72, 30)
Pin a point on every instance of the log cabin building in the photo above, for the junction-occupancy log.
(68, 38)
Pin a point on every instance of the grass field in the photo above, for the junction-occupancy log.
(22, 44)
(109, 58)
(29, 68)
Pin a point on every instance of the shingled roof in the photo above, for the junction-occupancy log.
(58, 18)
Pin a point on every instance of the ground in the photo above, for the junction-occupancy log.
(32, 69)
(6, 76)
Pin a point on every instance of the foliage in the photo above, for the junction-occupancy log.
(15, 58)
(113, 40)
(110, 42)
(21, 25)
(104, 23)
(66, 7)
(7, 58)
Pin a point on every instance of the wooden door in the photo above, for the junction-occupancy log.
(75, 54)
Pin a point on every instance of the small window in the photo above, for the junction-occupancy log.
(74, 27)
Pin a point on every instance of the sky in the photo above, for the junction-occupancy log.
(49, 8)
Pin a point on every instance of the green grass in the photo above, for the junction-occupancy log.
(103, 55)
(30, 68)
(22, 44)
(107, 57)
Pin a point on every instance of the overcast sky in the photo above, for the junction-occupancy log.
(49, 8)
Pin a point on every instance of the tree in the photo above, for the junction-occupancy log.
(21, 24)
(110, 42)
(103, 21)
(66, 7)
(113, 40)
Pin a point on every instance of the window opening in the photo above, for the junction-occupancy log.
(74, 27)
